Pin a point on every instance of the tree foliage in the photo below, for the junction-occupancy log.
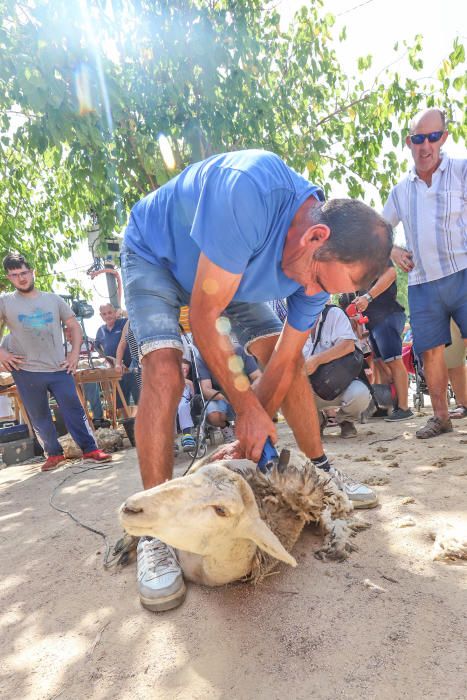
(87, 87)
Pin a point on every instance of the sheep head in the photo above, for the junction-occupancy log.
(192, 513)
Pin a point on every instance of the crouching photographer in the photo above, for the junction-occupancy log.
(333, 363)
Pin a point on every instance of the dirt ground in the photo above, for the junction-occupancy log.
(70, 629)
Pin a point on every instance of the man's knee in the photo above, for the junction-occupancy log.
(162, 371)
(356, 397)
(262, 348)
(217, 419)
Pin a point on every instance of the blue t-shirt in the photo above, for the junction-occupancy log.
(108, 340)
(237, 209)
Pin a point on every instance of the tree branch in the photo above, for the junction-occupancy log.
(343, 109)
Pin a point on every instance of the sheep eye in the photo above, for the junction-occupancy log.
(220, 511)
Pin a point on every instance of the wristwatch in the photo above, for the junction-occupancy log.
(368, 297)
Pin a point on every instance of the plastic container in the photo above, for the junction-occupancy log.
(14, 432)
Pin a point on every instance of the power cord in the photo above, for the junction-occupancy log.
(198, 432)
(108, 560)
(119, 553)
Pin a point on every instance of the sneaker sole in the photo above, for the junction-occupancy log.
(98, 461)
(162, 604)
(398, 420)
(51, 469)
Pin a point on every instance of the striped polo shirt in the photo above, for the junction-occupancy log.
(434, 219)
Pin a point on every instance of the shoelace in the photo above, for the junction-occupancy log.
(158, 556)
(344, 478)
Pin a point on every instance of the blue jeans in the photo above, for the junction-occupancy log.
(130, 388)
(33, 388)
(154, 297)
(93, 397)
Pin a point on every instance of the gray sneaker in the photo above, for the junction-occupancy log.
(160, 578)
(360, 495)
(228, 434)
(399, 414)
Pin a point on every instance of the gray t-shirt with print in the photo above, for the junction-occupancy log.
(35, 331)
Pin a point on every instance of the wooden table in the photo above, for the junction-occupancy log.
(109, 379)
(20, 411)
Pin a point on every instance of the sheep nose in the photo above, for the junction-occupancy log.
(131, 509)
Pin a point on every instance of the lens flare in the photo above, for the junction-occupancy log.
(166, 152)
(210, 286)
(241, 383)
(236, 364)
(83, 90)
(223, 325)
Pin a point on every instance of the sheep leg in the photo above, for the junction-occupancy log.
(337, 545)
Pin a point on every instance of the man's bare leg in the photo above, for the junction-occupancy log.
(160, 396)
(401, 382)
(436, 375)
(458, 379)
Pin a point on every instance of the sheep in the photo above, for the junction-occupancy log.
(229, 522)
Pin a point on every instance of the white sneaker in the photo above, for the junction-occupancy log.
(360, 495)
(160, 578)
(228, 434)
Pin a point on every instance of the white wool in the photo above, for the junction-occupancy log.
(107, 439)
(450, 543)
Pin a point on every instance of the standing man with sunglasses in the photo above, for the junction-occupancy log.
(431, 204)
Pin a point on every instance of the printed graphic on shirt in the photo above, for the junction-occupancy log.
(38, 320)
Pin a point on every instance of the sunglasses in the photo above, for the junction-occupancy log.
(417, 139)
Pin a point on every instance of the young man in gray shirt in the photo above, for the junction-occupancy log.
(35, 356)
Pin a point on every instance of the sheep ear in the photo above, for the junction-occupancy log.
(265, 539)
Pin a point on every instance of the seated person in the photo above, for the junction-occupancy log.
(336, 339)
(219, 412)
(184, 409)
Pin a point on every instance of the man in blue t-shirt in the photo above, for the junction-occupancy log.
(225, 236)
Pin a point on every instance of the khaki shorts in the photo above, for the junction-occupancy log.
(455, 353)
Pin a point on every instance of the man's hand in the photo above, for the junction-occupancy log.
(252, 429)
(71, 363)
(119, 368)
(402, 258)
(9, 362)
(312, 363)
(361, 303)
(231, 450)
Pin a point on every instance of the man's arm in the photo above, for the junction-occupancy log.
(285, 361)
(71, 361)
(209, 391)
(213, 290)
(380, 286)
(121, 348)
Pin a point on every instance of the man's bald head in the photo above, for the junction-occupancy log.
(433, 113)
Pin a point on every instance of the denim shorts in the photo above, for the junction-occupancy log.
(222, 407)
(432, 305)
(386, 339)
(153, 298)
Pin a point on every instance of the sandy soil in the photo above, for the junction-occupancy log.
(71, 630)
